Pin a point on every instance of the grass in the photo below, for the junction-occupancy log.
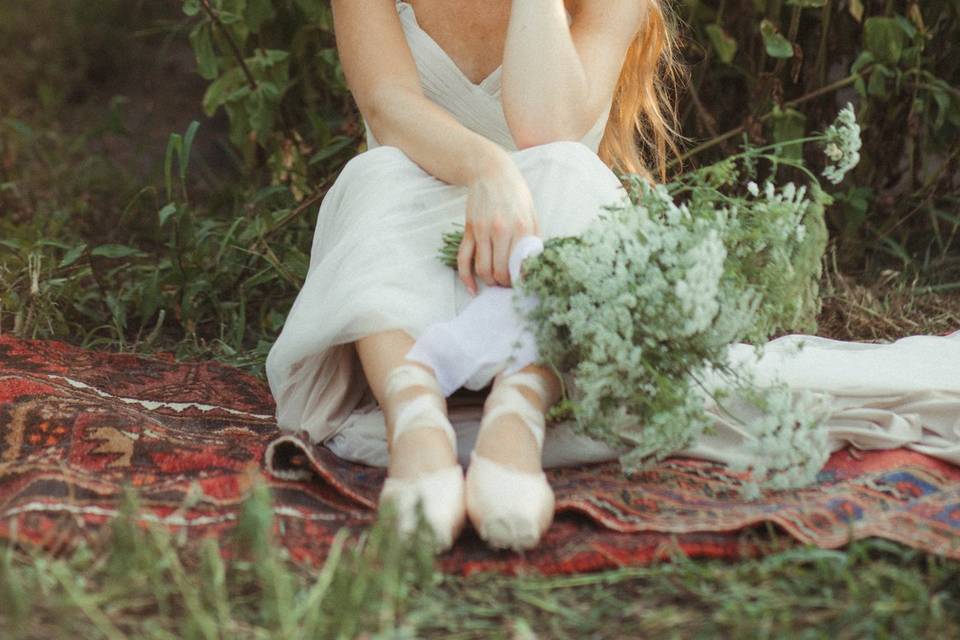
(98, 248)
(145, 582)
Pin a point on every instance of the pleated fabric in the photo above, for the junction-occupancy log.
(374, 267)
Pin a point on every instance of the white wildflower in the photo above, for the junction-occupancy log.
(842, 146)
(639, 312)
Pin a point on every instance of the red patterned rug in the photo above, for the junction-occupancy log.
(76, 426)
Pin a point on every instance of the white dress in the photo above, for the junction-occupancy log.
(374, 267)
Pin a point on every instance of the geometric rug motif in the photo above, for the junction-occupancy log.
(78, 426)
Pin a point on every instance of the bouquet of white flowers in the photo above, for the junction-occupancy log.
(638, 314)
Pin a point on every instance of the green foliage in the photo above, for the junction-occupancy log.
(92, 255)
(774, 69)
(795, 61)
(158, 272)
(273, 69)
(146, 582)
(155, 583)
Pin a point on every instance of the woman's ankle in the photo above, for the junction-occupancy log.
(508, 442)
(420, 451)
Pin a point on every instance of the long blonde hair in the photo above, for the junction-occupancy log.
(642, 127)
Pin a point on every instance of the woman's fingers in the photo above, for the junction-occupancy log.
(483, 259)
(465, 260)
(501, 255)
(513, 244)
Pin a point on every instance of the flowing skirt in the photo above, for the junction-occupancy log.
(374, 267)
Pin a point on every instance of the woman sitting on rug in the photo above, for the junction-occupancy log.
(450, 90)
(511, 117)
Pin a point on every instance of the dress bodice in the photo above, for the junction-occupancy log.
(477, 106)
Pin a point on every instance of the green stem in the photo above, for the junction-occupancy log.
(791, 36)
(234, 48)
(695, 87)
(821, 66)
(709, 144)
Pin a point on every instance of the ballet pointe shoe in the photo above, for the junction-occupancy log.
(510, 509)
(439, 492)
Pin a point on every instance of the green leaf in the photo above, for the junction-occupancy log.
(877, 85)
(267, 58)
(332, 148)
(187, 146)
(269, 90)
(117, 251)
(906, 26)
(884, 38)
(776, 45)
(258, 12)
(807, 4)
(218, 93)
(787, 126)
(50, 242)
(261, 113)
(856, 10)
(230, 18)
(13, 244)
(723, 44)
(201, 40)
(865, 58)
(150, 297)
(73, 255)
(164, 214)
(314, 9)
(191, 7)
(942, 100)
(174, 146)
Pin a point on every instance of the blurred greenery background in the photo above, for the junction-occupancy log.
(161, 165)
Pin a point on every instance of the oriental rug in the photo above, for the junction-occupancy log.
(78, 426)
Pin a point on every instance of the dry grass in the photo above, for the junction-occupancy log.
(886, 307)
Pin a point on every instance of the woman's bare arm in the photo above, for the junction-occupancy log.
(383, 79)
(382, 76)
(559, 96)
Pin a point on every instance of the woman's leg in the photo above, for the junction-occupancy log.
(423, 471)
(505, 439)
(416, 451)
(509, 500)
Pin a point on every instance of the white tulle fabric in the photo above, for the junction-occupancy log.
(373, 268)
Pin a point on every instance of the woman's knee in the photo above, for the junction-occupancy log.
(567, 157)
(378, 161)
(389, 347)
(565, 151)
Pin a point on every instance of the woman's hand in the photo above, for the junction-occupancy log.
(499, 212)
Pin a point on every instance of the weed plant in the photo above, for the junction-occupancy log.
(148, 582)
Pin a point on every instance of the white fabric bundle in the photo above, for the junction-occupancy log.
(487, 337)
